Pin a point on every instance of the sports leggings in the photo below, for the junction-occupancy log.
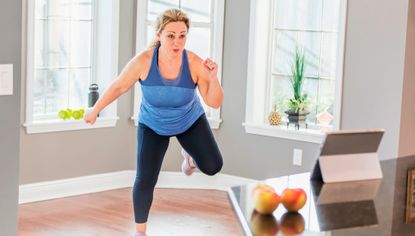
(198, 141)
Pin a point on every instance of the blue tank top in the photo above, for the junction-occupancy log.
(169, 107)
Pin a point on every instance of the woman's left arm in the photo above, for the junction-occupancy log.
(208, 83)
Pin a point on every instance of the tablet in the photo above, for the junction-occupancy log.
(349, 155)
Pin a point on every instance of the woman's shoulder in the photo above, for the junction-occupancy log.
(145, 55)
(142, 62)
(195, 61)
(192, 57)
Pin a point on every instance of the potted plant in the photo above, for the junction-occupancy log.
(298, 104)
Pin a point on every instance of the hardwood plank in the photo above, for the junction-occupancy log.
(174, 212)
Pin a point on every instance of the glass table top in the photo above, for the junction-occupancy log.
(375, 207)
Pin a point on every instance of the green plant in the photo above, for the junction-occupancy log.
(300, 101)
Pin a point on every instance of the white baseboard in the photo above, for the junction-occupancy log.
(74, 186)
(123, 179)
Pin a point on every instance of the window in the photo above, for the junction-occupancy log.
(70, 45)
(316, 27)
(205, 36)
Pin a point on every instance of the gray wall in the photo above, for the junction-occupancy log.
(374, 69)
(10, 53)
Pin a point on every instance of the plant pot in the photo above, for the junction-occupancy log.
(296, 117)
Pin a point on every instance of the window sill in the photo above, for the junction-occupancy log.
(305, 135)
(213, 123)
(62, 125)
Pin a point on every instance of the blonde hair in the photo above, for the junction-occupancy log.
(168, 16)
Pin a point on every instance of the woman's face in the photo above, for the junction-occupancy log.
(173, 37)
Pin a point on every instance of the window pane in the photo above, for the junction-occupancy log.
(305, 23)
(331, 15)
(326, 96)
(329, 54)
(198, 41)
(284, 51)
(305, 14)
(57, 90)
(78, 90)
(286, 16)
(281, 92)
(311, 42)
(82, 9)
(151, 34)
(55, 43)
(59, 8)
(40, 44)
(155, 7)
(310, 87)
(197, 10)
(63, 43)
(39, 92)
(80, 43)
(40, 8)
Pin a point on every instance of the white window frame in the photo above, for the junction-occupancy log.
(105, 67)
(260, 33)
(217, 50)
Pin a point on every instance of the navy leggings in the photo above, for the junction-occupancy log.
(198, 141)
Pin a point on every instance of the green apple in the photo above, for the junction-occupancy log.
(76, 115)
(63, 114)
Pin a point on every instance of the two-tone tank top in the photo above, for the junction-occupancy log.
(169, 107)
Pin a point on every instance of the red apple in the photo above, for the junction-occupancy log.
(261, 187)
(293, 199)
(263, 225)
(292, 223)
(266, 201)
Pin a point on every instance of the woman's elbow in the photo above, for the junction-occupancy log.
(215, 104)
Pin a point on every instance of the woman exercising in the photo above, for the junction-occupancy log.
(169, 75)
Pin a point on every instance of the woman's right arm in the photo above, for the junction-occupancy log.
(127, 78)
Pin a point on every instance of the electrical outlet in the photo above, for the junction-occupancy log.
(297, 157)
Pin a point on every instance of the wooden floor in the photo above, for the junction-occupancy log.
(174, 212)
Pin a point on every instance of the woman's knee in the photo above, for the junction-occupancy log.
(213, 168)
(145, 182)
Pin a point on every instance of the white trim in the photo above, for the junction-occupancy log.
(341, 45)
(29, 42)
(305, 135)
(109, 67)
(68, 125)
(256, 88)
(123, 179)
(217, 54)
(74, 186)
(213, 123)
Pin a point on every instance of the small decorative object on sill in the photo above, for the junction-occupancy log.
(297, 118)
(274, 118)
(324, 118)
(93, 95)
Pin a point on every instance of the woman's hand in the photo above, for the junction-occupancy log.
(90, 117)
(211, 68)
